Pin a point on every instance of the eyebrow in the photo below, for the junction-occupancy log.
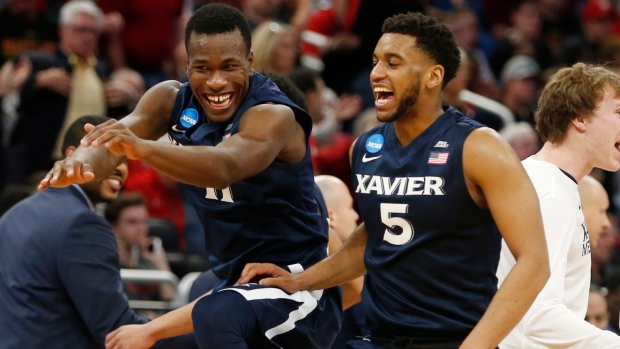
(389, 55)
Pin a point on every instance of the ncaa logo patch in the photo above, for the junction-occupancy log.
(374, 143)
(189, 117)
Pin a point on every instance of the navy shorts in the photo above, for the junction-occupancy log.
(304, 319)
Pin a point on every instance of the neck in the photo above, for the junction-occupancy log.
(569, 156)
(409, 126)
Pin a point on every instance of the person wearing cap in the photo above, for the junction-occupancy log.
(520, 84)
(597, 23)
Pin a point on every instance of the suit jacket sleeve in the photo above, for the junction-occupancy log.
(88, 266)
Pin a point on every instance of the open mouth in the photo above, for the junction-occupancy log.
(219, 101)
(115, 181)
(382, 96)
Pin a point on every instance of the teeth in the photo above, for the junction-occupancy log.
(219, 98)
(381, 89)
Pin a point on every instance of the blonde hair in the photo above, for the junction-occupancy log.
(571, 93)
(265, 38)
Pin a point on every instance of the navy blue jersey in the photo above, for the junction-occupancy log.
(270, 217)
(432, 253)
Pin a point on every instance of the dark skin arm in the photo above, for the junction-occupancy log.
(245, 154)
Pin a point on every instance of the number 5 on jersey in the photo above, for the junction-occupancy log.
(392, 222)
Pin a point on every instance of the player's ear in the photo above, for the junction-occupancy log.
(580, 123)
(435, 76)
(70, 149)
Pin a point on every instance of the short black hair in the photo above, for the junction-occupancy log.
(216, 18)
(289, 89)
(305, 79)
(433, 37)
(76, 132)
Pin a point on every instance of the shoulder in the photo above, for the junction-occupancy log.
(167, 88)
(485, 152)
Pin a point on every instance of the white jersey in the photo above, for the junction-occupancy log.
(556, 319)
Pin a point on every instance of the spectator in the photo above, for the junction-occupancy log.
(522, 138)
(595, 203)
(597, 313)
(148, 38)
(332, 151)
(343, 221)
(520, 77)
(523, 38)
(61, 88)
(60, 285)
(164, 200)
(597, 22)
(127, 215)
(275, 48)
(480, 108)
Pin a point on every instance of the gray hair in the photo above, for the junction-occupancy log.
(73, 7)
(515, 130)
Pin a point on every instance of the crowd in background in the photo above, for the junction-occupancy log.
(55, 67)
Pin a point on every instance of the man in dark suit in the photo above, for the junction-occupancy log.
(60, 285)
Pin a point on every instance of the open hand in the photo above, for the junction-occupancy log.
(115, 136)
(129, 337)
(66, 172)
(270, 275)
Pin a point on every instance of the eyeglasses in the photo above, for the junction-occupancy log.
(84, 30)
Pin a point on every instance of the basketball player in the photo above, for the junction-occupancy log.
(578, 118)
(241, 146)
(432, 185)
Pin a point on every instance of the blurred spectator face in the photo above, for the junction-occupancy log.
(597, 20)
(81, 37)
(523, 89)
(131, 225)
(264, 8)
(461, 80)
(465, 29)
(526, 20)
(594, 202)
(284, 55)
(345, 215)
(597, 313)
(525, 145)
(602, 251)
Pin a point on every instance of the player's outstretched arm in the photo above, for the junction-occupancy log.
(172, 324)
(500, 182)
(121, 139)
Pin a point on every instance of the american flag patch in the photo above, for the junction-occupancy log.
(438, 157)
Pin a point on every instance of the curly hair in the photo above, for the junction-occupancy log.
(216, 18)
(570, 93)
(432, 37)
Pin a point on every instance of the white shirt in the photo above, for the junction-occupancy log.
(556, 319)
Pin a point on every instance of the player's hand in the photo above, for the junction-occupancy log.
(270, 275)
(66, 172)
(130, 337)
(115, 136)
